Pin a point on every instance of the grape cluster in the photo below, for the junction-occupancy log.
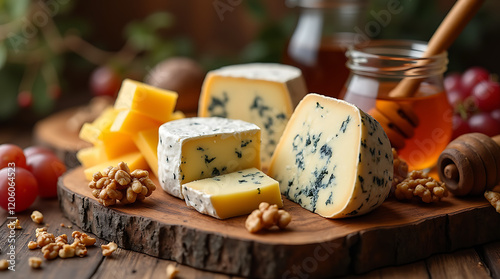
(28, 173)
(476, 101)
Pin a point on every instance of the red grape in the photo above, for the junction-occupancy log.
(460, 126)
(105, 81)
(473, 76)
(496, 115)
(18, 189)
(35, 149)
(453, 82)
(11, 153)
(454, 97)
(46, 169)
(483, 123)
(486, 95)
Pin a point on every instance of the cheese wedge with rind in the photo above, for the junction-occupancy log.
(333, 159)
(261, 93)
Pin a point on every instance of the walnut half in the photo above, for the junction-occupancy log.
(267, 216)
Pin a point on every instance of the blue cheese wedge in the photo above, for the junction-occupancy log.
(195, 148)
(232, 194)
(333, 159)
(263, 94)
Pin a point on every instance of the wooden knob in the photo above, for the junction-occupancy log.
(470, 164)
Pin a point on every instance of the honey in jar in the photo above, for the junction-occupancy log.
(376, 69)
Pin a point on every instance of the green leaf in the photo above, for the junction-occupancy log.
(17, 8)
(141, 37)
(3, 55)
(159, 20)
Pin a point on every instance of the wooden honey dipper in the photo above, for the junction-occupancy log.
(470, 164)
(399, 120)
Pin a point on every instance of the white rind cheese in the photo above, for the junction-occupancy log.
(263, 94)
(196, 148)
(232, 194)
(333, 159)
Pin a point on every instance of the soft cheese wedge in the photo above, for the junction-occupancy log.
(333, 159)
(196, 148)
(263, 94)
(232, 194)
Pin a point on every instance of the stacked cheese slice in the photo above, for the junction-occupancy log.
(212, 163)
(128, 131)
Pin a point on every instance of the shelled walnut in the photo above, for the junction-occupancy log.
(35, 262)
(494, 199)
(417, 184)
(83, 238)
(120, 184)
(37, 217)
(14, 225)
(267, 216)
(108, 249)
(51, 250)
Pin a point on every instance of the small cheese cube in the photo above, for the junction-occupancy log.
(103, 122)
(259, 93)
(195, 148)
(91, 156)
(131, 121)
(147, 142)
(155, 103)
(232, 194)
(333, 159)
(89, 133)
(134, 161)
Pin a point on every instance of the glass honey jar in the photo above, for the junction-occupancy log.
(419, 125)
(324, 31)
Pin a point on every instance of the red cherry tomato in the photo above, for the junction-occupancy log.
(46, 169)
(18, 189)
(13, 154)
(35, 149)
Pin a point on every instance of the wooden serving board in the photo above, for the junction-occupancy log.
(395, 233)
(53, 133)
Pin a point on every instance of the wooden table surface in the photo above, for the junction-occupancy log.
(477, 262)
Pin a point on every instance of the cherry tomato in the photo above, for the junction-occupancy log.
(46, 169)
(18, 189)
(11, 154)
(35, 149)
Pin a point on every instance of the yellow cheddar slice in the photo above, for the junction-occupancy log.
(131, 122)
(134, 161)
(155, 103)
(232, 194)
(103, 122)
(91, 156)
(89, 133)
(116, 144)
(147, 142)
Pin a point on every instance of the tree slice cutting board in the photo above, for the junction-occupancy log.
(53, 133)
(395, 233)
